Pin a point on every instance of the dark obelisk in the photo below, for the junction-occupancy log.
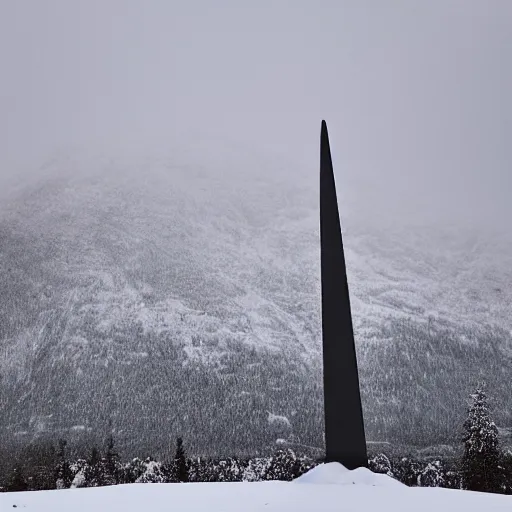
(345, 440)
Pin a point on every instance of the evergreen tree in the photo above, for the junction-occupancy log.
(111, 463)
(95, 457)
(93, 473)
(256, 469)
(17, 482)
(63, 473)
(228, 470)
(480, 464)
(381, 464)
(39, 461)
(507, 472)
(407, 470)
(433, 475)
(286, 465)
(202, 470)
(78, 469)
(132, 471)
(180, 462)
(153, 472)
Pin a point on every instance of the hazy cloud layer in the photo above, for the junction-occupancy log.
(416, 94)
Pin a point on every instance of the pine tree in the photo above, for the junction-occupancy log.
(381, 464)
(111, 463)
(180, 462)
(17, 481)
(256, 469)
(93, 471)
(433, 475)
(132, 471)
(63, 473)
(407, 470)
(285, 465)
(480, 464)
(507, 472)
(153, 472)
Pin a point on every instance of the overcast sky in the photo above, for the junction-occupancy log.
(417, 94)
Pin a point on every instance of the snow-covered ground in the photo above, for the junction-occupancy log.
(328, 487)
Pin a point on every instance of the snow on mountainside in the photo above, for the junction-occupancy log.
(450, 274)
(182, 297)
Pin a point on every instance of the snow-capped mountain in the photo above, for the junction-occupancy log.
(170, 298)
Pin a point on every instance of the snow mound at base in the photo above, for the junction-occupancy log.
(330, 473)
(335, 473)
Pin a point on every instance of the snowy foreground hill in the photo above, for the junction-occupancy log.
(169, 295)
(329, 487)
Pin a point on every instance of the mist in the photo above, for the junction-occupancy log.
(159, 215)
(415, 94)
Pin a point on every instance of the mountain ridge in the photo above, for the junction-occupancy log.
(121, 278)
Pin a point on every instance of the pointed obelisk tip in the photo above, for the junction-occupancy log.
(324, 134)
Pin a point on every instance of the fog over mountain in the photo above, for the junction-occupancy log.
(185, 298)
(159, 241)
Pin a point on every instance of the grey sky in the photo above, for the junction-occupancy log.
(417, 94)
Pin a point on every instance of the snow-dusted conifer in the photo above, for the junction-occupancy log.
(286, 465)
(180, 462)
(229, 470)
(507, 472)
(17, 482)
(153, 473)
(480, 462)
(78, 472)
(93, 473)
(256, 469)
(132, 471)
(111, 466)
(432, 475)
(381, 464)
(63, 473)
(407, 470)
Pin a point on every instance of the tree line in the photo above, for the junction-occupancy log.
(483, 466)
